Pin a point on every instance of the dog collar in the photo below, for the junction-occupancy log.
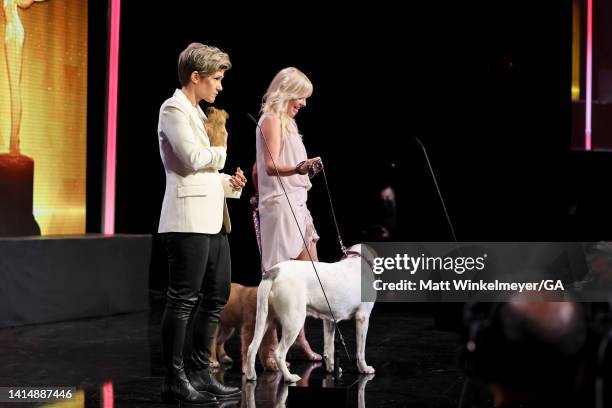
(355, 253)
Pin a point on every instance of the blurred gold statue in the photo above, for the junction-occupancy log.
(13, 47)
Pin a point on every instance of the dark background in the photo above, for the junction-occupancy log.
(485, 87)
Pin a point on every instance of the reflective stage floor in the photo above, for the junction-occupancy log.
(116, 361)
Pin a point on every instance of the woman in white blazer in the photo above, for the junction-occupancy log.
(194, 224)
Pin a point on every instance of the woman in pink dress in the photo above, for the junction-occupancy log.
(280, 237)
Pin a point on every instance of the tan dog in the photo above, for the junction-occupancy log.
(240, 312)
(215, 126)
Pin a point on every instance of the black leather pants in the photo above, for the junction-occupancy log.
(200, 273)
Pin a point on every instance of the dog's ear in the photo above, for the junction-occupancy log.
(210, 111)
(215, 115)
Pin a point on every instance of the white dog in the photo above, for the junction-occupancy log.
(291, 288)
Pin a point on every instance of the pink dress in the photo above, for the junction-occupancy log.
(280, 237)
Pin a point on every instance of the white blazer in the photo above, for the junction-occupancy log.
(194, 200)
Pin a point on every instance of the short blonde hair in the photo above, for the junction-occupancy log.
(290, 83)
(204, 59)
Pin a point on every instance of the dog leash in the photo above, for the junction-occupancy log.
(254, 201)
(331, 206)
(313, 169)
(301, 234)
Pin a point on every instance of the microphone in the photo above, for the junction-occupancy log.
(253, 119)
(278, 176)
(450, 224)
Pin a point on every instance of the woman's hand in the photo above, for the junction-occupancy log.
(238, 181)
(303, 167)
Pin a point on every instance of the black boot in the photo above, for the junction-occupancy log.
(205, 382)
(176, 386)
(204, 328)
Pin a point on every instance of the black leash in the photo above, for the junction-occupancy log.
(331, 206)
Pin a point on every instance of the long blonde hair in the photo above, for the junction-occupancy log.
(290, 83)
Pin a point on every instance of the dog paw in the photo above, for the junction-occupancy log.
(226, 359)
(367, 370)
(313, 356)
(329, 364)
(214, 364)
(270, 365)
(330, 369)
(251, 376)
(292, 378)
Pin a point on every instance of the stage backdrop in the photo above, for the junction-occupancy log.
(45, 77)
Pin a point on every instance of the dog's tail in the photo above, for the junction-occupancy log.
(263, 292)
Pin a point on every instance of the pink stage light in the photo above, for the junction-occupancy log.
(111, 121)
(108, 396)
(589, 76)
